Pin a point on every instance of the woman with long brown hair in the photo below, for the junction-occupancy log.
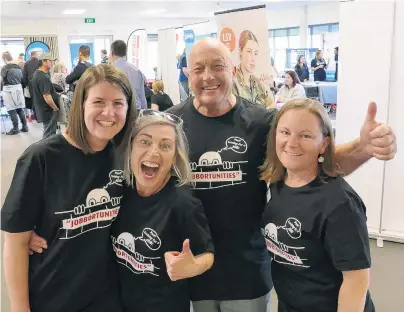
(68, 188)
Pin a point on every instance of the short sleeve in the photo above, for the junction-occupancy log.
(193, 225)
(45, 86)
(346, 236)
(154, 99)
(313, 63)
(24, 201)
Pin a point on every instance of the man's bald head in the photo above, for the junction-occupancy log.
(209, 44)
(210, 73)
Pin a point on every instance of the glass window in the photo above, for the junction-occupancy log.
(334, 28)
(317, 42)
(279, 41)
(294, 42)
(281, 44)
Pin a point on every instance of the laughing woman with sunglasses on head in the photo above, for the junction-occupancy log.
(161, 226)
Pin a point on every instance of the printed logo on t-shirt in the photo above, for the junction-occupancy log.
(99, 210)
(283, 253)
(125, 246)
(218, 172)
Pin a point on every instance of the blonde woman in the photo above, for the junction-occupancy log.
(314, 223)
(59, 75)
(160, 101)
(161, 236)
(318, 66)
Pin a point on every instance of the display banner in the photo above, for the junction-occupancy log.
(38, 46)
(137, 45)
(245, 32)
(195, 32)
(74, 53)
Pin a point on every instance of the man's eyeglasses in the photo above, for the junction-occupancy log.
(150, 112)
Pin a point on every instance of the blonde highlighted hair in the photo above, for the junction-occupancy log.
(181, 168)
(59, 68)
(272, 170)
(158, 86)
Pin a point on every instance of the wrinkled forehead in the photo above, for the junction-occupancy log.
(208, 55)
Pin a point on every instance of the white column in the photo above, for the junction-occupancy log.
(393, 212)
(364, 43)
(303, 27)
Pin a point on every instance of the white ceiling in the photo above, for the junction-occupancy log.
(115, 10)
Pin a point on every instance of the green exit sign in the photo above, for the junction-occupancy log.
(90, 20)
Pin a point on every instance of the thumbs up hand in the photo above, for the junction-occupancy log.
(377, 139)
(181, 265)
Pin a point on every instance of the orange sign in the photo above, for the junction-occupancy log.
(228, 37)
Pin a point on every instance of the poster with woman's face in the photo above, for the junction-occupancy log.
(245, 33)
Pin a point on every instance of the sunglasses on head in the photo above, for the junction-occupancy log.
(150, 112)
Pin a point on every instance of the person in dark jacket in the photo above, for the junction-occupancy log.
(82, 66)
(13, 94)
(28, 73)
(301, 69)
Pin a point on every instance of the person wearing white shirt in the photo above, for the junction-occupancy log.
(292, 89)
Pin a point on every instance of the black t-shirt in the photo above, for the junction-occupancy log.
(313, 233)
(162, 100)
(70, 199)
(42, 84)
(320, 74)
(147, 228)
(225, 153)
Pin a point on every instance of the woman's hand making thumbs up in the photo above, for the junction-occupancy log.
(184, 264)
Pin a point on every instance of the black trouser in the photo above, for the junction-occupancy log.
(14, 119)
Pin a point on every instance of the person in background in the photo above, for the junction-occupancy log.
(104, 56)
(246, 84)
(44, 96)
(77, 271)
(317, 214)
(292, 89)
(28, 72)
(183, 76)
(336, 63)
(58, 79)
(160, 101)
(21, 60)
(157, 176)
(319, 65)
(301, 69)
(13, 93)
(148, 94)
(59, 75)
(274, 67)
(236, 130)
(82, 66)
(119, 51)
